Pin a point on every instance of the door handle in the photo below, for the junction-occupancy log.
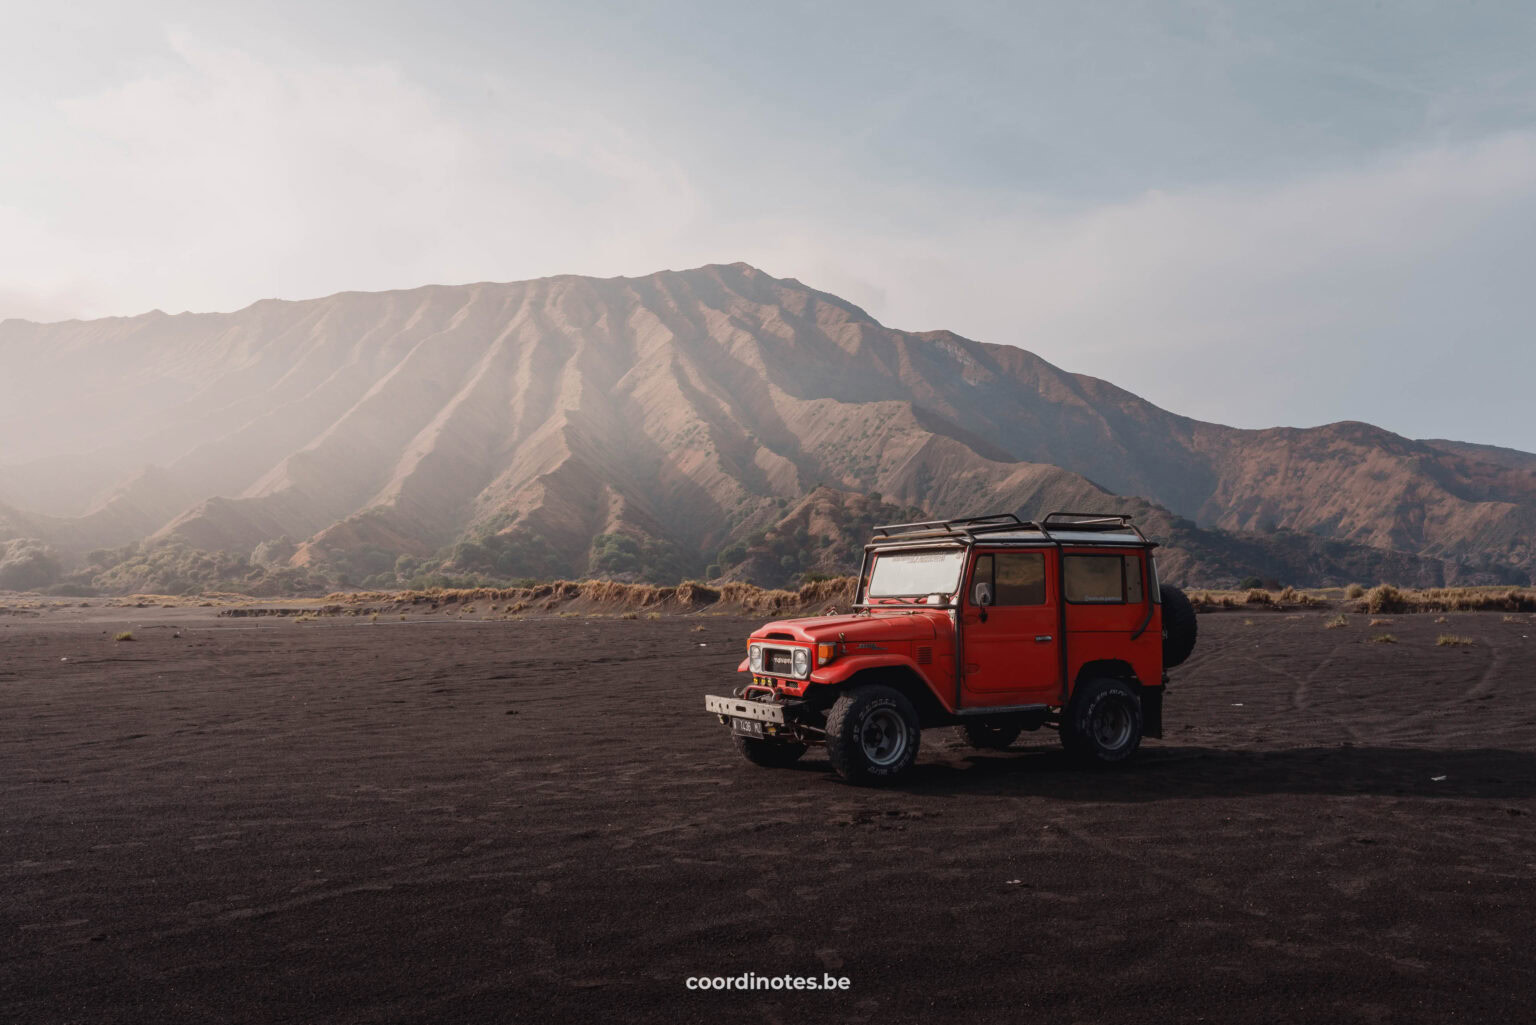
(1042, 638)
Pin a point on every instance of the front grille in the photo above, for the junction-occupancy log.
(777, 660)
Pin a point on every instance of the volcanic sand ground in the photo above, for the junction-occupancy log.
(535, 821)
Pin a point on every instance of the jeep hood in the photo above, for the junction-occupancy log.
(882, 626)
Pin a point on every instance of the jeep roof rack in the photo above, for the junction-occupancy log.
(1088, 521)
(970, 528)
(964, 524)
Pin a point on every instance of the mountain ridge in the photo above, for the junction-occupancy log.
(512, 427)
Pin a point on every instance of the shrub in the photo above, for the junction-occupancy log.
(1259, 596)
(1384, 598)
(1354, 591)
(1250, 584)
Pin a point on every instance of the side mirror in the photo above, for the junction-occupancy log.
(982, 594)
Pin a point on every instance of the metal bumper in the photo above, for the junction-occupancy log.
(741, 708)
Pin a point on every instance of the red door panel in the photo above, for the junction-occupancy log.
(1013, 658)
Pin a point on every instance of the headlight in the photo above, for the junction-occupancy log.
(755, 657)
(802, 658)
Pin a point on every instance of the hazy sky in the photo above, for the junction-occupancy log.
(1253, 213)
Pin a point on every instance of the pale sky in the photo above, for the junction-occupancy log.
(1252, 213)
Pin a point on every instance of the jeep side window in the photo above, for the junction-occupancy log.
(1133, 580)
(982, 571)
(1017, 578)
(1103, 579)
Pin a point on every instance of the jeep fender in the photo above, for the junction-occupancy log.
(843, 668)
(840, 670)
(849, 666)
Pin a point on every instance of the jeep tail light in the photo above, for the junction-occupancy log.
(825, 653)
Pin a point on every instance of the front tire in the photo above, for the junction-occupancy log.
(872, 734)
(770, 754)
(1102, 724)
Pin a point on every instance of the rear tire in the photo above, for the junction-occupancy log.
(1102, 724)
(872, 734)
(1179, 626)
(988, 736)
(770, 754)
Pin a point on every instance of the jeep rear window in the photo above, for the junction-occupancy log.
(912, 574)
(1103, 579)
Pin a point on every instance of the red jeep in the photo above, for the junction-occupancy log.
(992, 625)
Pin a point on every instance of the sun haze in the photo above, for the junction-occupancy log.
(1249, 215)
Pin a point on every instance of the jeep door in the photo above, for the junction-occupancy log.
(1012, 656)
(1110, 612)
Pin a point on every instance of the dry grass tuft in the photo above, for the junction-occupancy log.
(1387, 598)
(1291, 596)
(1287, 598)
(1384, 639)
(691, 596)
(1354, 591)
(1513, 619)
(1384, 598)
(630, 615)
(1453, 641)
(1381, 622)
(126, 635)
(1247, 622)
(1442, 619)
(1336, 623)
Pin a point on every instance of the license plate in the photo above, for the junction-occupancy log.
(747, 727)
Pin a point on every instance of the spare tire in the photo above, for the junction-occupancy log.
(1179, 627)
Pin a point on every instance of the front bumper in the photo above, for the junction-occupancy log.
(742, 708)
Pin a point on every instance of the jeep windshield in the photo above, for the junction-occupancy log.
(915, 574)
